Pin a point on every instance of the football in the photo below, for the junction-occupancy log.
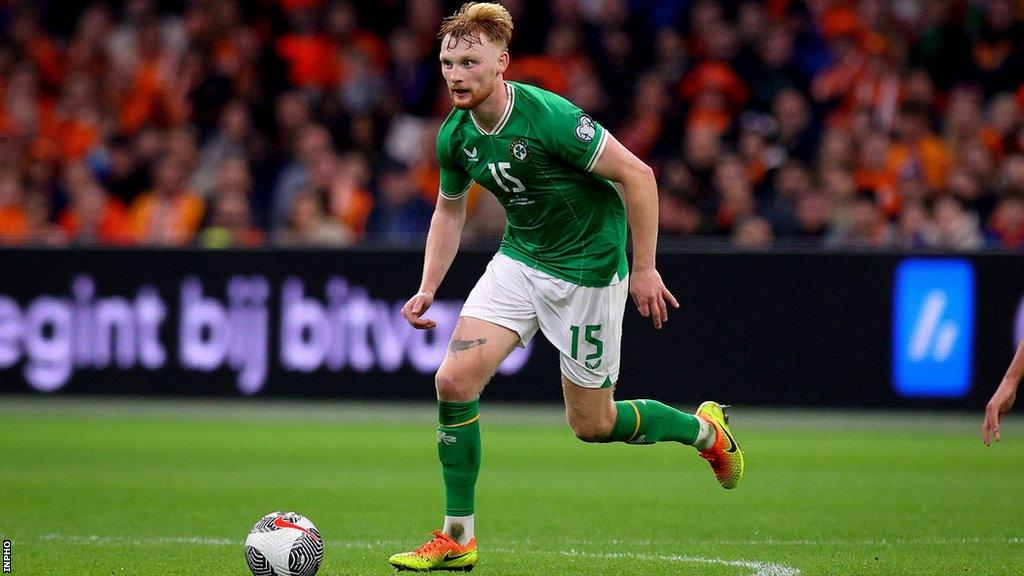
(284, 544)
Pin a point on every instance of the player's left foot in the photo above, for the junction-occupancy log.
(440, 553)
(724, 455)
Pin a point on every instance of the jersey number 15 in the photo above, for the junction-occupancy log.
(504, 167)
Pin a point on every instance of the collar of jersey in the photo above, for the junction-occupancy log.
(504, 115)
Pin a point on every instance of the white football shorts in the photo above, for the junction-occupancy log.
(583, 323)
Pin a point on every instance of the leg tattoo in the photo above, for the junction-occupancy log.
(461, 345)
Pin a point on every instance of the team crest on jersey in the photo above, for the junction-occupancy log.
(586, 130)
(518, 150)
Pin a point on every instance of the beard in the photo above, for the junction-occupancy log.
(472, 98)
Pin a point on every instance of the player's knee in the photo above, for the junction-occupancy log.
(452, 387)
(595, 429)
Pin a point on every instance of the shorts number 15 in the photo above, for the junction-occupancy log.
(590, 334)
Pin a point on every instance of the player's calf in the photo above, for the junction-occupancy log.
(650, 421)
(592, 429)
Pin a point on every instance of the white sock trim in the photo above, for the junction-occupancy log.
(462, 527)
(706, 436)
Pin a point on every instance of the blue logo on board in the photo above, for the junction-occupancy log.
(933, 328)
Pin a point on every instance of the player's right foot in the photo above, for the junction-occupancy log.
(440, 553)
(724, 455)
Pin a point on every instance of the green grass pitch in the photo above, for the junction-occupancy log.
(93, 487)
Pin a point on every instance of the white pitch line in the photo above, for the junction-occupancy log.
(105, 540)
(758, 568)
(806, 542)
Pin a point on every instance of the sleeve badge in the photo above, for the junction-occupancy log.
(585, 129)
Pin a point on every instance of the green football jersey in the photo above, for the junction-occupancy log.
(560, 217)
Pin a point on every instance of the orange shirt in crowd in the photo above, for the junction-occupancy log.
(702, 85)
(114, 227)
(166, 221)
(368, 43)
(153, 99)
(310, 60)
(993, 142)
(13, 225)
(1009, 238)
(352, 209)
(930, 152)
(841, 20)
(757, 170)
(426, 175)
(77, 138)
(44, 113)
(884, 184)
(44, 53)
(714, 76)
(641, 133)
(143, 100)
(72, 138)
(540, 71)
(716, 120)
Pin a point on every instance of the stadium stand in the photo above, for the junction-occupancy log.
(867, 124)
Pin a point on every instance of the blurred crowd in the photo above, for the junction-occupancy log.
(863, 124)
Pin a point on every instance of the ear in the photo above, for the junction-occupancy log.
(502, 62)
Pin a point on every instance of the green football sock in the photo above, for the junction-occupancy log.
(458, 447)
(650, 421)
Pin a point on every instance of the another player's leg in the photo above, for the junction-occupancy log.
(476, 349)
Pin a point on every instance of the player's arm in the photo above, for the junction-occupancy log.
(640, 192)
(442, 244)
(1004, 397)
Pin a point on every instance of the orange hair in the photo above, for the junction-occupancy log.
(476, 18)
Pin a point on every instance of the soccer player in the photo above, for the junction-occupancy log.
(1003, 398)
(561, 268)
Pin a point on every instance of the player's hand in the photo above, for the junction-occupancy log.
(414, 309)
(1001, 401)
(651, 296)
